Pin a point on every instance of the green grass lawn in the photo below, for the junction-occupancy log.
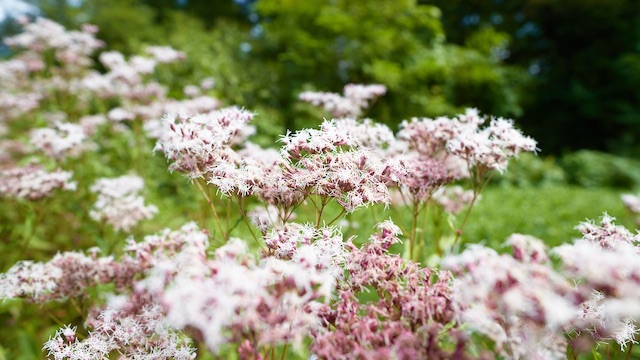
(549, 213)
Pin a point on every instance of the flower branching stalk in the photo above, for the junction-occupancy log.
(479, 180)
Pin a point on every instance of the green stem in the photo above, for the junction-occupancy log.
(337, 217)
(629, 352)
(212, 206)
(478, 187)
(243, 214)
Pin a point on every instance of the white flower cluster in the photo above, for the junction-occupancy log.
(195, 143)
(356, 98)
(60, 140)
(32, 182)
(119, 203)
(141, 336)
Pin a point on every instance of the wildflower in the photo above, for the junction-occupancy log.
(196, 143)
(165, 54)
(32, 182)
(60, 140)
(519, 302)
(119, 203)
(410, 312)
(356, 98)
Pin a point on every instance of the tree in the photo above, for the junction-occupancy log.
(585, 59)
(326, 44)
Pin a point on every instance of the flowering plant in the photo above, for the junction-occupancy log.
(299, 286)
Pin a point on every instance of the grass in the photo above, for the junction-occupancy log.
(548, 213)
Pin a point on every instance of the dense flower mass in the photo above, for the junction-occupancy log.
(248, 281)
(60, 140)
(33, 182)
(119, 203)
(194, 144)
(356, 98)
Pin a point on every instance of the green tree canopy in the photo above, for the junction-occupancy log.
(585, 58)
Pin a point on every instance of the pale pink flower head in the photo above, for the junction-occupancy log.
(30, 279)
(165, 54)
(356, 98)
(632, 202)
(207, 83)
(119, 203)
(191, 91)
(311, 141)
(33, 182)
(369, 134)
(519, 302)
(119, 114)
(422, 176)
(233, 297)
(136, 331)
(59, 141)
(362, 94)
(607, 234)
(142, 64)
(195, 143)
(527, 248)
(242, 177)
(492, 146)
(112, 59)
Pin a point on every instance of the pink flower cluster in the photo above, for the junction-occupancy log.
(59, 141)
(234, 298)
(405, 319)
(71, 48)
(23, 90)
(33, 182)
(490, 147)
(194, 144)
(606, 266)
(135, 332)
(356, 98)
(119, 203)
(519, 301)
(530, 310)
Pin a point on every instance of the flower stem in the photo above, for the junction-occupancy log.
(212, 206)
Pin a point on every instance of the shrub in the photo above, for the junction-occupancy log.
(595, 169)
